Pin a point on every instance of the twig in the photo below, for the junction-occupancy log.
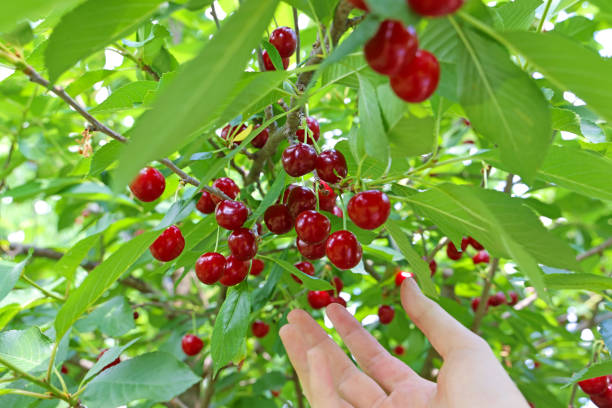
(369, 268)
(297, 33)
(298, 388)
(594, 251)
(210, 389)
(437, 249)
(213, 12)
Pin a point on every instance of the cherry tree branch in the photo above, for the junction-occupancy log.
(594, 251)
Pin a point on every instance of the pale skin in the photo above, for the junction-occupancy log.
(471, 376)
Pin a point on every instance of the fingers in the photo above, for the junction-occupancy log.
(322, 381)
(297, 351)
(444, 332)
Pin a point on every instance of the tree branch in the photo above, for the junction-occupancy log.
(594, 251)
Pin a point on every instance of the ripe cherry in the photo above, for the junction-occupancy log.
(288, 191)
(369, 209)
(231, 215)
(331, 166)
(400, 277)
(312, 227)
(148, 185)
(260, 329)
(481, 257)
(327, 197)
(275, 393)
(475, 304)
(433, 267)
(338, 300)
(360, 4)
(305, 267)
(514, 298)
(226, 185)
(284, 40)
(343, 250)
(191, 344)
(594, 386)
(210, 267)
(603, 400)
(243, 244)
(278, 219)
(301, 199)
(135, 315)
(269, 65)
(399, 350)
(337, 211)
(64, 369)
(230, 132)
(386, 314)
(497, 299)
(452, 252)
(235, 271)
(299, 159)
(315, 131)
(467, 241)
(111, 364)
(435, 8)
(311, 251)
(261, 139)
(169, 245)
(417, 81)
(393, 46)
(318, 299)
(257, 267)
(338, 286)
(205, 204)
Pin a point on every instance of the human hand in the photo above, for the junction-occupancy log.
(471, 376)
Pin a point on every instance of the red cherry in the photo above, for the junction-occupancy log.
(400, 277)
(109, 365)
(312, 227)
(299, 159)
(259, 229)
(386, 314)
(318, 299)
(393, 46)
(337, 211)
(481, 257)
(191, 344)
(243, 244)
(452, 252)
(261, 139)
(338, 300)
(210, 267)
(311, 251)
(305, 267)
(337, 284)
(228, 186)
(301, 199)
(230, 132)
(476, 303)
(475, 244)
(343, 250)
(135, 315)
(399, 350)
(231, 215)
(369, 210)
(260, 329)
(435, 8)
(315, 131)
(235, 271)
(284, 40)
(64, 369)
(360, 4)
(603, 400)
(514, 299)
(497, 299)
(257, 267)
(465, 242)
(269, 65)
(433, 266)
(327, 197)
(288, 191)
(531, 405)
(417, 81)
(275, 393)
(594, 386)
(331, 166)
(278, 219)
(169, 245)
(205, 204)
(148, 185)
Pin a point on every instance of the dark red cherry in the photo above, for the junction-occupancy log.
(360, 4)
(261, 139)
(305, 267)
(311, 251)
(514, 298)
(465, 242)
(603, 400)
(435, 8)
(226, 185)
(497, 299)
(205, 204)
(301, 199)
(318, 299)
(111, 364)
(64, 369)
(235, 271)
(259, 229)
(284, 40)
(331, 166)
(299, 159)
(433, 266)
(210, 267)
(278, 219)
(337, 211)
(399, 350)
(343, 250)
(400, 277)
(148, 185)
(315, 131)
(231, 215)
(393, 46)
(452, 252)
(135, 315)
(417, 81)
(337, 284)
(191, 344)
(275, 393)
(594, 386)
(370, 209)
(260, 329)
(327, 197)
(475, 244)
(269, 65)
(230, 132)
(481, 257)
(169, 245)
(242, 243)
(386, 314)
(257, 267)
(288, 190)
(338, 300)
(312, 227)
(475, 304)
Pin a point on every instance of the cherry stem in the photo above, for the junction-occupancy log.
(217, 240)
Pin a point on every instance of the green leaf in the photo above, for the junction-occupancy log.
(516, 15)
(13, 12)
(578, 281)
(28, 350)
(596, 370)
(262, 295)
(371, 125)
(156, 376)
(565, 120)
(275, 57)
(108, 357)
(275, 190)
(70, 261)
(9, 275)
(104, 157)
(412, 136)
(231, 326)
(100, 279)
(90, 27)
(126, 97)
(605, 329)
(190, 101)
(113, 318)
(87, 80)
(310, 282)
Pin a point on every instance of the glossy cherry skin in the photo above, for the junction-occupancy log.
(288, 191)
(452, 252)
(369, 209)
(327, 197)
(312, 227)
(278, 219)
(603, 400)
(343, 250)
(305, 267)
(338, 300)
(231, 215)
(191, 344)
(435, 8)
(360, 4)
(311, 251)
(148, 185)
(386, 314)
(242, 243)
(169, 245)
(205, 204)
(235, 271)
(226, 185)
(284, 40)
(315, 131)
(269, 65)
(260, 329)
(210, 267)
(299, 159)
(318, 299)
(230, 132)
(301, 199)
(261, 139)
(399, 350)
(401, 276)
(111, 364)
(393, 46)
(417, 81)
(594, 386)
(481, 257)
(497, 299)
(331, 166)
(257, 267)
(514, 299)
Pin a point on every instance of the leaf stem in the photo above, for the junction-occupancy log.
(52, 360)
(43, 290)
(544, 15)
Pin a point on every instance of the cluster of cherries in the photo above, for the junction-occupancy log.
(599, 390)
(284, 40)
(394, 51)
(482, 256)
